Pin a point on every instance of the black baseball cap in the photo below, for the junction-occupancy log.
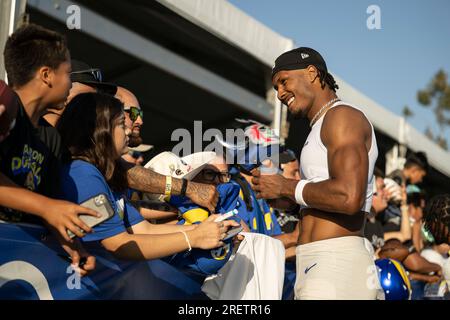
(299, 58)
(286, 156)
(83, 73)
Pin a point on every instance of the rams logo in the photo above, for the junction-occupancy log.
(221, 253)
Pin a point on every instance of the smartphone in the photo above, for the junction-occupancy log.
(99, 203)
(232, 232)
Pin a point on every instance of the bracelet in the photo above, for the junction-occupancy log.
(299, 192)
(168, 188)
(183, 187)
(187, 240)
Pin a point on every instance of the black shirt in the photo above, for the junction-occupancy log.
(373, 232)
(51, 138)
(287, 220)
(30, 157)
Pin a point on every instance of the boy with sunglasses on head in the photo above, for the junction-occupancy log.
(84, 79)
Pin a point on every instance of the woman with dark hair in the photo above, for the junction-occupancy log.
(93, 129)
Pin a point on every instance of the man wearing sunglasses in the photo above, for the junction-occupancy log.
(149, 181)
(133, 115)
(215, 173)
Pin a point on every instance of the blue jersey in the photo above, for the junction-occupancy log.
(193, 213)
(205, 262)
(81, 181)
(261, 217)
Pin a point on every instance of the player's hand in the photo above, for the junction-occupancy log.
(267, 186)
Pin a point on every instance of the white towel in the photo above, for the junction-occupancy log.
(255, 272)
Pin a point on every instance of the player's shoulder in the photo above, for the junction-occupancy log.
(344, 123)
(346, 116)
(345, 112)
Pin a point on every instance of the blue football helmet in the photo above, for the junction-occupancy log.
(393, 279)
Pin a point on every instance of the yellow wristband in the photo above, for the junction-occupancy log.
(168, 188)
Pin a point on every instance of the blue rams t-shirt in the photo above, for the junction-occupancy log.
(81, 181)
(206, 262)
(261, 219)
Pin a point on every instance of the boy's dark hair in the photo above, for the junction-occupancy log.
(437, 217)
(418, 159)
(29, 48)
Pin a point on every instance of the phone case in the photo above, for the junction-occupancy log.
(232, 232)
(100, 204)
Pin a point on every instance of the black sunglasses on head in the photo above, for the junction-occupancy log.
(96, 73)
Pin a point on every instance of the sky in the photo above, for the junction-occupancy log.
(389, 64)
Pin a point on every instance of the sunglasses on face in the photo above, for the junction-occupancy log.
(134, 113)
(211, 175)
(96, 73)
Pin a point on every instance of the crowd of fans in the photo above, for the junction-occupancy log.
(66, 135)
(396, 228)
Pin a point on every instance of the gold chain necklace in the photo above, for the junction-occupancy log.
(316, 116)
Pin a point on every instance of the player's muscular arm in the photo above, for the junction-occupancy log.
(344, 134)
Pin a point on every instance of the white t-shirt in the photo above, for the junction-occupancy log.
(314, 159)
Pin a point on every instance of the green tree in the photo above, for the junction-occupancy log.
(437, 96)
(407, 112)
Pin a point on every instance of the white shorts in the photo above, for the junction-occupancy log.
(336, 269)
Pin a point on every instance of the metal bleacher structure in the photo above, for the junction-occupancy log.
(204, 60)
